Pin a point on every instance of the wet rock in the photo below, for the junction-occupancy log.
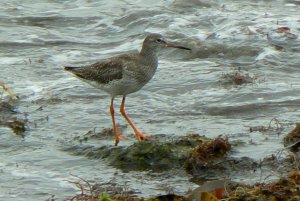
(17, 125)
(227, 167)
(6, 107)
(201, 157)
(292, 139)
(160, 155)
(204, 158)
(147, 155)
(8, 119)
(106, 133)
(8, 114)
(156, 155)
(211, 149)
(208, 160)
(237, 78)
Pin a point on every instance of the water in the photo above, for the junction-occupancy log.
(186, 94)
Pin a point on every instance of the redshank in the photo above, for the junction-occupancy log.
(124, 74)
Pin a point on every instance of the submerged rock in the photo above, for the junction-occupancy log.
(8, 111)
(6, 106)
(236, 78)
(17, 125)
(8, 119)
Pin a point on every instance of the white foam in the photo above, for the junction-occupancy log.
(11, 60)
(267, 51)
(66, 57)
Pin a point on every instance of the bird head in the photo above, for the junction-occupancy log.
(157, 41)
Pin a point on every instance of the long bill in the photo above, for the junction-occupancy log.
(177, 46)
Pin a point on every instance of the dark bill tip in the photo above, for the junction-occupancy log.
(177, 46)
(68, 68)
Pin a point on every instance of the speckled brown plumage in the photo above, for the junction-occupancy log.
(124, 74)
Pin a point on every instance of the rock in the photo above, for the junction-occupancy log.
(292, 139)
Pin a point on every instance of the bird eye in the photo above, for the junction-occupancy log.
(159, 40)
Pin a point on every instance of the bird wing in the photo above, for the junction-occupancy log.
(103, 71)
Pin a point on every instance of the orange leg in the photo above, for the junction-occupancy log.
(138, 134)
(116, 130)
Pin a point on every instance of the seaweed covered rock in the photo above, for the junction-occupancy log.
(206, 154)
(145, 155)
(286, 188)
(210, 150)
(17, 125)
(292, 139)
(7, 112)
(209, 160)
(155, 155)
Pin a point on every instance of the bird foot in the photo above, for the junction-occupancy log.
(118, 138)
(142, 137)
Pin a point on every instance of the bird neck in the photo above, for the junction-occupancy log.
(150, 60)
(149, 52)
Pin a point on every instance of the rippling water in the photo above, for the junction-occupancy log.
(186, 95)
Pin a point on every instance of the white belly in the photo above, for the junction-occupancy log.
(118, 87)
